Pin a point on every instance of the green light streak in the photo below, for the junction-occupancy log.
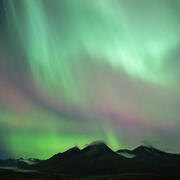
(53, 37)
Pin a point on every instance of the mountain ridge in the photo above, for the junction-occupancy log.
(98, 158)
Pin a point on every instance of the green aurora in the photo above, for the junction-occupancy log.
(96, 70)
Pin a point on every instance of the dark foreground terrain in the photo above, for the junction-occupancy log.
(96, 161)
(10, 175)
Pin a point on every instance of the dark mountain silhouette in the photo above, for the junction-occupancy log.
(92, 159)
(12, 163)
(145, 152)
(150, 159)
(67, 154)
(98, 158)
(19, 163)
(149, 153)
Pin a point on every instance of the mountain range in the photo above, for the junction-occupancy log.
(98, 158)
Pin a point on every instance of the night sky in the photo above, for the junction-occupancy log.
(77, 71)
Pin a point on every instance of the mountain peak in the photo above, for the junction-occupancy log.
(73, 149)
(97, 143)
(142, 148)
(70, 152)
(96, 148)
(148, 150)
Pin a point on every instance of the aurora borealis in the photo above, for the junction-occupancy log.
(73, 72)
